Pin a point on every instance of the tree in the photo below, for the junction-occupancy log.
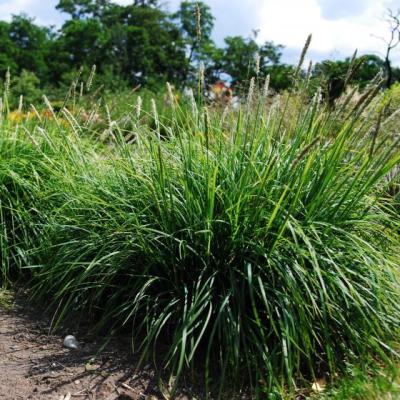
(146, 44)
(7, 50)
(196, 22)
(370, 66)
(137, 42)
(80, 9)
(333, 76)
(280, 76)
(26, 84)
(83, 41)
(31, 45)
(238, 58)
(212, 60)
(393, 20)
(239, 55)
(145, 3)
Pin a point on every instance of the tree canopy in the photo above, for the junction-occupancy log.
(142, 43)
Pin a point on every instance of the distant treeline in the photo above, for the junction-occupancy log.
(142, 44)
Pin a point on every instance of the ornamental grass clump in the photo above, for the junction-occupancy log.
(256, 250)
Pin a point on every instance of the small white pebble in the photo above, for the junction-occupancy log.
(70, 342)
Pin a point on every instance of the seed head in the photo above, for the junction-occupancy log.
(309, 71)
(257, 64)
(21, 102)
(251, 91)
(90, 79)
(138, 107)
(266, 86)
(198, 21)
(303, 53)
(171, 98)
(202, 74)
(49, 106)
(7, 82)
(195, 111)
(155, 116)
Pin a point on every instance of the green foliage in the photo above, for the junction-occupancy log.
(82, 41)
(78, 9)
(335, 76)
(7, 49)
(365, 383)
(239, 57)
(391, 110)
(25, 45)
(142, 44)
(239, 61)
(393, 94)
(19, 193)
(259, 247)
(27, 84)
(370, 67)
(137, 44)
(196, 23)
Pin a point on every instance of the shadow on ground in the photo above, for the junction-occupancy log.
(35, 365)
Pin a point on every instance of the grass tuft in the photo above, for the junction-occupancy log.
(260, 248)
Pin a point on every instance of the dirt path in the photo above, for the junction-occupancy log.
(34, 365)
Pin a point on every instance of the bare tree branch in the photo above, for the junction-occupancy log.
(393, 20)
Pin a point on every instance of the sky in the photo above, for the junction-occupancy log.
(338, 26)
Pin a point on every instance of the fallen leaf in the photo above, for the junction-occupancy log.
(319, 385)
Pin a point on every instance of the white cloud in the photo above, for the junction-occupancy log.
(338, 26)
(290, 21)
(43, 12)
(14, 7)
(233, 17)
(336, 9)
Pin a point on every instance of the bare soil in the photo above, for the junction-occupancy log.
(34, 364)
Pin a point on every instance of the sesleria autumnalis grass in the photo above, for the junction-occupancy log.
(258, 250)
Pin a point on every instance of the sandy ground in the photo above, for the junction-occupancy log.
(35, 365)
